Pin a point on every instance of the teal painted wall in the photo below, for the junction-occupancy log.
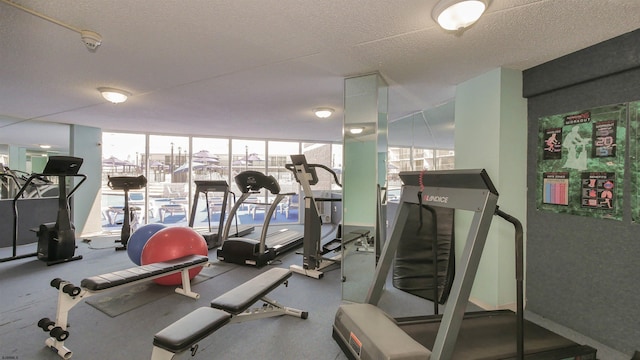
(85, 142)
(490, 117)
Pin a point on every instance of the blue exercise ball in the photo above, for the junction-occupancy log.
(139, 239)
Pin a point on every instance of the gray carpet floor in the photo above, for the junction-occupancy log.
(26, 297)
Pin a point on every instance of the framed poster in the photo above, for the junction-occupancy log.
(634, 146)
(580, 159)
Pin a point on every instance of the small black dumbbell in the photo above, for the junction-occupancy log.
(59, 334)
(56, 283)
(71, 290)
(46, 324)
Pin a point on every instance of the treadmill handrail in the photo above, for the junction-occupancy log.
(453, 179)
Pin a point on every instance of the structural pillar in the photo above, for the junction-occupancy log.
(491, 133)
(364, 172)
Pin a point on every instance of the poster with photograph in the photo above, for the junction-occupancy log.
(581, 154)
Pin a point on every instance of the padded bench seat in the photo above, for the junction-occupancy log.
(227, 308)
(237, 300)
(190, 329)
(117, 278)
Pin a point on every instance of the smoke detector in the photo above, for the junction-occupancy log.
(91, 39)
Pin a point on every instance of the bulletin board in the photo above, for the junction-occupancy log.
(634, 146)
(581, 162)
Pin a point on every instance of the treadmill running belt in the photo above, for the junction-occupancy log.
(492, 335)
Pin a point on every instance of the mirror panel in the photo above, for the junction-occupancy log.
(365, 106)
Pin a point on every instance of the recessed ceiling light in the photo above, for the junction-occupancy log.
(44, 146)
(116, 96)
(356, 130)
(323, 112)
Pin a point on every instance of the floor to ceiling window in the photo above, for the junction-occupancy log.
(279, 155)
(173, 164)
(209, 163)
(122, 155)
(169, 193)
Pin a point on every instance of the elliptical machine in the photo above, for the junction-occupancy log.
(314, 256)
(57, 241)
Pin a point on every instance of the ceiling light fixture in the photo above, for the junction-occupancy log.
(116, 96)
(458, 14)
(323, 112)
(45, 146)
(356, 130)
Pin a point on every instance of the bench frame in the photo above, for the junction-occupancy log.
(247, 312)
(270, 308)
(66, 302)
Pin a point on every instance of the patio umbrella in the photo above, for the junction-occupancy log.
(253, 157)
(157, 165)
(113, 162)
(195, 166)
(204, 156)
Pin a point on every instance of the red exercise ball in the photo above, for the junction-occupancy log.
(172, 243)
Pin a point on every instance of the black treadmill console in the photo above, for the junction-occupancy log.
(127, 182)
(62, 165)
(255, 181)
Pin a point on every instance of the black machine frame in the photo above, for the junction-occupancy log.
(126, 183)
(213, 238)
(56, 241)
(260, 252)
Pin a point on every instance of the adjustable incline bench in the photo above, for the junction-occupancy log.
(69, 295)
(230, 307)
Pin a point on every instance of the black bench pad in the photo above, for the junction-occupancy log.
(237, 300)
(190, 329)
(117, 278)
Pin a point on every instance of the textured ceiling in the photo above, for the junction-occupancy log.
(256, 68)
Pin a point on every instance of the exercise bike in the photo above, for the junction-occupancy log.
(127, 183)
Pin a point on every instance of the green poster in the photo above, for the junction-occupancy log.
(581, 162)
(634, 140)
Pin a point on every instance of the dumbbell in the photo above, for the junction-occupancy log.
(71, 290)
(68, 288)
(46, 324)
(56, 283)
(59, 334)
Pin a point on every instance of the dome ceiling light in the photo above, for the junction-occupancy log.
(455, 15)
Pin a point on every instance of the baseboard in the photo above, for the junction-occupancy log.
(488, 307)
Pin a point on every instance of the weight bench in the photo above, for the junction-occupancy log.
(70, 295)
(230, 307)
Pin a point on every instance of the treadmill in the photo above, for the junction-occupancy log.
(212, 234)
(364, 331)
(260, 252)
